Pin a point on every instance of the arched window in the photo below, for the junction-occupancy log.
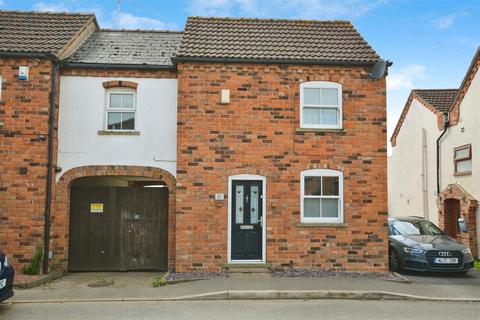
(321, 196)
(321, 105)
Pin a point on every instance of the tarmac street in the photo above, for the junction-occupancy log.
(241, 310)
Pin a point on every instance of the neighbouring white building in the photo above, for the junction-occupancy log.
(446, 193)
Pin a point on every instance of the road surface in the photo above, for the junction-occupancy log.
(241, 310)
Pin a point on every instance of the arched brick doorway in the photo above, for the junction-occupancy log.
(454, 203)
(61, 213)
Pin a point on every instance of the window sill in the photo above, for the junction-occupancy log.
(462, 173)
(117, 133)
(320, 224)
(319, 130)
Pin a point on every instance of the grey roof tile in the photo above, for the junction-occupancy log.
(440, 99)
(128, 47)
(39, 32)
(277, 39)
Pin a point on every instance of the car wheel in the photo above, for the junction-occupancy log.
(394, 260)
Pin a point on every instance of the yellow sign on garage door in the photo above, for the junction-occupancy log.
(96, 207)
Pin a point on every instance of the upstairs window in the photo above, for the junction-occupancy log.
(321, 105)
(462, 160)
(321, 196)
(121, 109)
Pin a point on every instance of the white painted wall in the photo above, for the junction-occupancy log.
(470, 122)
(82, 115)
(405, 188)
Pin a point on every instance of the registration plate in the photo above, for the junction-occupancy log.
(446, 260)
(3, 283)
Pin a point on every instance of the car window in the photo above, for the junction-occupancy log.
(428, 228)
(404, 228)
(414, 228)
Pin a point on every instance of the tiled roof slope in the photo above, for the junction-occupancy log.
(128, 47)
(274, 39)
(38, 32)
(440, 99)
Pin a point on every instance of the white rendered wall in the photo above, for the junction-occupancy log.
(82, 115)
(470, 122)
(405, 187)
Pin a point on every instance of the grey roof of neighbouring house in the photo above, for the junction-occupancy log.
(440, 99)
(319, 42)
(129, 47)
(39, 32)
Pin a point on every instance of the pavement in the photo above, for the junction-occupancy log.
(241, 310)
(421, 288)
(104, 279)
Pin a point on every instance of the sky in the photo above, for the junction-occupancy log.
(431, 42)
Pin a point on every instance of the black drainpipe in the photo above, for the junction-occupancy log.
(51, 132)
(446, 123)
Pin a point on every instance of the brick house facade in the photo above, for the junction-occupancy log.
(239, 117)
(259, 133)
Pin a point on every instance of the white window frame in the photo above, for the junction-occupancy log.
(133, 109)
(321, 173)
(322, 85)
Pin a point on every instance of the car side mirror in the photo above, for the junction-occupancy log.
(462, 224)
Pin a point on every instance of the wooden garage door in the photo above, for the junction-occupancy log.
(116, 229)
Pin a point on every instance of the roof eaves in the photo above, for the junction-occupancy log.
(465, 82)
(406, 108)
(30, 54)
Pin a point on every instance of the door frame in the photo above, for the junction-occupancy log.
(253, 177)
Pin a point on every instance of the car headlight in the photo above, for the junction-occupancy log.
(467, 252)
(413, 251)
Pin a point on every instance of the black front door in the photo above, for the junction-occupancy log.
(247, 220)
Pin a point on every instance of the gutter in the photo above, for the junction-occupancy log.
(117, 66)
(41, 55)
(446, 124)
(271, 61)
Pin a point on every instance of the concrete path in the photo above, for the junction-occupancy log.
(257, 288)
(105, 279)
(241, 310)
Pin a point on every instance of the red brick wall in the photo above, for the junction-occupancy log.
(24, 107)
(468, 209)
(256, 134)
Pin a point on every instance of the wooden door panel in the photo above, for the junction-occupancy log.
(146, 229)
(94, 242)
(130, 234)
